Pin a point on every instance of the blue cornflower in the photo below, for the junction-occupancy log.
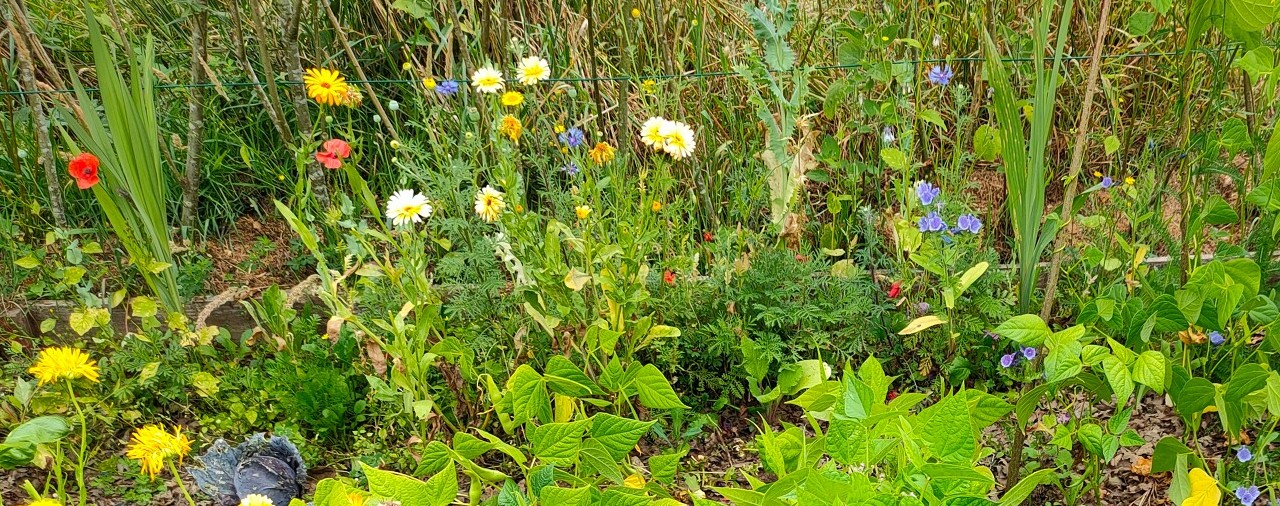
(968, 223)
(941, 75)
(1243, 454)
(1029, 353)
(1107, 182)
(1247, 495)
(573, 137)
(447, 88)
(1215, 338)
(1007, 360)
(887, 136)
(927, 192)
(932, 223)
(570, 168)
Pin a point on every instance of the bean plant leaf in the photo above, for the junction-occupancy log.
(1149, 370)
(1026, 330)
(948, 431)
(439, 490)
(565, 378)
(616, 434)
(655, 391)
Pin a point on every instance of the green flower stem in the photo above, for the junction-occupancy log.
(84, 440)
(181, 486)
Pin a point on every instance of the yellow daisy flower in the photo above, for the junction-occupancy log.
(1129, 180)
(325, 86)
(582, 211)
(655, 206)
(677, 139)
(510, 127)
(532, 70)
(602, 153)
(512, 98)
(63, 363)
(489, 204)
(151, 446)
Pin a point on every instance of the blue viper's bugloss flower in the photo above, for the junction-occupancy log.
(1029, 353)
(573, 137)
(1243, 454)
(927, 192)
(571, 169)
(1247, 495)
(887, 136)
(1007, 360)
(968, 223)
(1215, 338)
(932, 223)
(447, 88)
(941, 75)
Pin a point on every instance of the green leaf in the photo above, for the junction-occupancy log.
(1149, 369)
(655, 391)
(1196, 395)
(1140, 23)
(595, 459)
(39, 431)
(1111, 144)
(1091, 437)
(1119, 377)
(932, 116)
(529, 398)
(439, 490)
(948, 431)
(565, 378)
(986, 143)
(616, 434)
(895, 159)
(986, 409)
(1028, 484)
(557, 443)
(27, 262)
(663, 467)
(1245, 380)
(560, 496)
(1026, 330)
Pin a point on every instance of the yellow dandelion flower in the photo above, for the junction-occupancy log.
(151, 446)
(487, 80)
(325, 86)
(655, 206)
(429, 83)
(63, 363)
(635, 12)
(558, 128)
(532, 70)
(510, 127)
(44, 501)
(512, 98)
(582, 211)
(1129, 180)
(259, 500)
(602, 153)
(489, 204)
(1097, 173)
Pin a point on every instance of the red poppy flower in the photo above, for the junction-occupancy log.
(334, 152)
(84, 168)
(707, 237)
(669, 278)
(893, 394)
(895, 289)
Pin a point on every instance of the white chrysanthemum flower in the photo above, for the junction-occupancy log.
(407, 206)
(487, 80)
(489, 204)
(650, 132)
(677, 139)
(532, 70)
(256, 500)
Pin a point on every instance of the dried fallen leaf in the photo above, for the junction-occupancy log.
(1141, 466)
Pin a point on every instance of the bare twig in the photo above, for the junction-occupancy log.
(195, 115)
(355, 62)
(315, 174)
(1077, 159)
(26, 70)
(237, 40)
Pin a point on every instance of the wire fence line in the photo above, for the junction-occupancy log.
(648, 77)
